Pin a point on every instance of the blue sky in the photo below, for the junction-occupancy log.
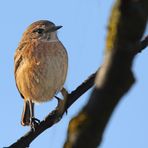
(83, 34)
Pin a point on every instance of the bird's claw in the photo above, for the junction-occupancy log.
(34, 123)
(61, 104)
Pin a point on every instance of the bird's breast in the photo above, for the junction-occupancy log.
(43, 71)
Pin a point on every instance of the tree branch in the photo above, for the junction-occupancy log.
(115, 78)
(55, 116)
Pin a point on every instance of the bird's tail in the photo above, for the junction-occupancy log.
(28, 113)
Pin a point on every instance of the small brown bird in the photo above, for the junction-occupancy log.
(40, 66)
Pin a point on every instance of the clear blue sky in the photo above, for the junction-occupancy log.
(83, 34)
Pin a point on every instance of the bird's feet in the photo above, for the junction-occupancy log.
(60, 102)
(34, 123)
(61, 105)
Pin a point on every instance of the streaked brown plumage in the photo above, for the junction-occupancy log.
(41, 63)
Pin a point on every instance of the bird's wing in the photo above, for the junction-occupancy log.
(18, 59)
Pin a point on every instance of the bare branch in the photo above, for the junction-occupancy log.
(115, 78)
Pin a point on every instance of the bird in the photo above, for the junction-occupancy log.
(40, 67)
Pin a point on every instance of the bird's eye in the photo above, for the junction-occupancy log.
(39, 30)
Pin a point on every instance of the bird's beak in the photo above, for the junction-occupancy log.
(55, 28)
